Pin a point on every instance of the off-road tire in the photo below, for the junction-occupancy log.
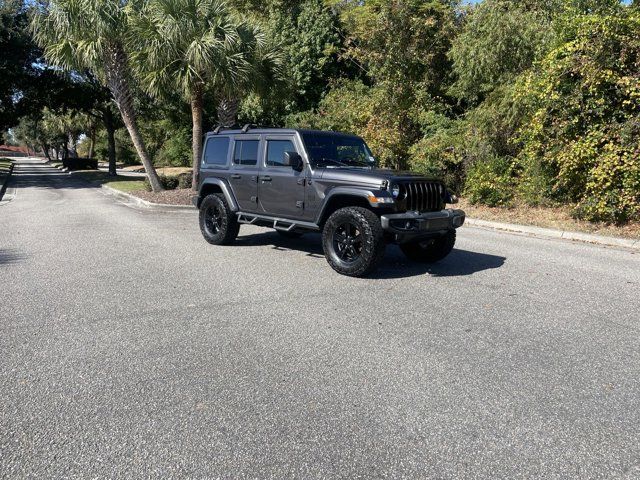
(432, 250)
(223, 227)
(369, 249)
(289, 235)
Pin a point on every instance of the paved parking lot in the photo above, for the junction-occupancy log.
(131, 348)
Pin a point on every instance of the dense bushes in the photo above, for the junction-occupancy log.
(171, 182)
(581, 136)
(491, 182)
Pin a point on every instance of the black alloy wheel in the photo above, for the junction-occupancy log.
(218, 224)
(347, 242)
(213, 220)
(353, 242)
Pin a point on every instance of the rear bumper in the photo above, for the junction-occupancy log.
(412, 226)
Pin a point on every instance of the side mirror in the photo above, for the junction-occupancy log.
(294, 160)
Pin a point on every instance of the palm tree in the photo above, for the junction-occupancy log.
(91, 34)
(188, 45)
(262, 62)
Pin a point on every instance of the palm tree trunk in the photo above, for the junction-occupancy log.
(228, 111)
(196, 143)
(92, 143)
(107, 118)
(116, 71)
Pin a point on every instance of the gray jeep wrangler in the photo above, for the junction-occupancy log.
(298, 181)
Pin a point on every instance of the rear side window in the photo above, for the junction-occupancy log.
(216, 151)
(245, 152)
(275, 152)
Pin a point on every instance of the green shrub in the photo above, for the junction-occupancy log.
(185, 180)
(490, 183)
(580, 138)
(168, 182)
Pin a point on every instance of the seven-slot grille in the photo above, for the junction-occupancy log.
(421, 196)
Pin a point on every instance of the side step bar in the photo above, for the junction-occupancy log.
(282, 224)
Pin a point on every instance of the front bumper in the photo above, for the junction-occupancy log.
(411, 226)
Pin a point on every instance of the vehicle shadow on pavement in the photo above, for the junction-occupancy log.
(457, 263)
(394, 265)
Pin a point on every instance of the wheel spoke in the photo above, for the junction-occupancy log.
(347, 242)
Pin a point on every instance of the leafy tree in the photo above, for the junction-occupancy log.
(92, 34)
(400, 49)
(16, 61)
(308, 35)
(499, 40)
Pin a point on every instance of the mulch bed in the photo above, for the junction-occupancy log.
(167, 197)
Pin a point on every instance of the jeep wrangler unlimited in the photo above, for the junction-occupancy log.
(298, 181)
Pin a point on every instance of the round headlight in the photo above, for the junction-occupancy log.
(395, 191)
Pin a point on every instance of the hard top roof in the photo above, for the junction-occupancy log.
(260, 130)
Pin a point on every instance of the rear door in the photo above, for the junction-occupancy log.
(244, 171)
(280, 187)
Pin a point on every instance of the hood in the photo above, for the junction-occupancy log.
(366, 176)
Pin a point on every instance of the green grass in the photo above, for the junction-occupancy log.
(126, 185)
(119, 182)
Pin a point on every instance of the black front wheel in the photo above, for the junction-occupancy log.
(353, 241)
(218, 224)
(431, 250)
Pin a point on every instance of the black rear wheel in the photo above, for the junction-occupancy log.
(353, 241)
(218, 224)
(431, 250)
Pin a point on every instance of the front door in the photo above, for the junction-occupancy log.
(280, 187)
(243, 176)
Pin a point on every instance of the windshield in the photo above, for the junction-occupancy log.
(335, 151)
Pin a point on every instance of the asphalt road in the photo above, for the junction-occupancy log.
(130, 348)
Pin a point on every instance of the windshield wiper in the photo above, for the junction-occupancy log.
(339, 163)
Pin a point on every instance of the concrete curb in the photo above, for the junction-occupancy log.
(557, 234)
(3, 187)
(144, 204)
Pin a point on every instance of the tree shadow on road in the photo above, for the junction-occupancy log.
(39, 175)
(394, 265)
(10, 256)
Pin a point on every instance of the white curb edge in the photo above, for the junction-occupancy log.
(557, 234)
(140, 203)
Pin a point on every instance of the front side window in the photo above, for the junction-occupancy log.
(276, 150)
(215, 153)
(246, 152)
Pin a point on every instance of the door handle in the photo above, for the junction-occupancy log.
(266, 179)
(235, 176)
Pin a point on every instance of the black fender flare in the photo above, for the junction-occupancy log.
(363, 193)
(224, 188)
